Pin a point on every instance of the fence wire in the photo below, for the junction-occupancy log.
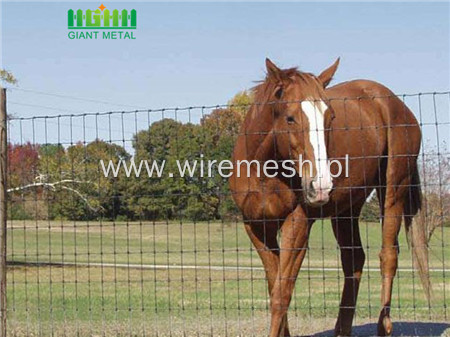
(90, 255)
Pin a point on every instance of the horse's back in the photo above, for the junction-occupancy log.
(392, 108)
(358, 89)
(373, 105)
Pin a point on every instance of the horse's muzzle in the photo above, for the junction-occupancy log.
(317, 191)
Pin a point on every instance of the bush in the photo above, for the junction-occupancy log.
(371, 210)
(17, 212)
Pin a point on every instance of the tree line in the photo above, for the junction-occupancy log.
(49, 181)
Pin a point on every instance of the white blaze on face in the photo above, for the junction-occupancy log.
(315, 112)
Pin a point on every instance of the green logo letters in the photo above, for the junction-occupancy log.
(101, 19)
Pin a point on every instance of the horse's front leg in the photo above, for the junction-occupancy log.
(264, 238)
(294, 239)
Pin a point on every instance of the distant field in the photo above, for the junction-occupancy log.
(168, 300)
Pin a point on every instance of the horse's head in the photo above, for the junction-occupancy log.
(301, 117)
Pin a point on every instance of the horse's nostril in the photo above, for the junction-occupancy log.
(310, 190)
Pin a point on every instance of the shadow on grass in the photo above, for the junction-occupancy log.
(400, 329)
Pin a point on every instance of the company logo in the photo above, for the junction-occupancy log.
(119, 23)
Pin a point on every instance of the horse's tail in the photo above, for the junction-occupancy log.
(416, 232)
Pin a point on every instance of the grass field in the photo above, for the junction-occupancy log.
(211, 296)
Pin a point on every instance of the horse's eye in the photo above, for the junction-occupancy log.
(290, 119)
(279, 92)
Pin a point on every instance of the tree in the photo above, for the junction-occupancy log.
(435, 180)
(64, 183)
(23, 162)
(147, 197)
(86, 192)
(168, 197)
(220, 130)
(371, 210)
(8, 77)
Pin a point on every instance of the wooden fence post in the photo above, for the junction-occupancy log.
(3, 209)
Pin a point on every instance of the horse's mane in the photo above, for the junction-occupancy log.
(264, 88)
(263, 91)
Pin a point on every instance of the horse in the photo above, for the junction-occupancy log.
(359, 123)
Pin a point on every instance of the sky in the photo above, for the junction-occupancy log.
(194, 54)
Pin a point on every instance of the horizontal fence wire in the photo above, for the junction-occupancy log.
(168, 255)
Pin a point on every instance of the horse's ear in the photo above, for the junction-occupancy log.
(273, 70)
(327, 75)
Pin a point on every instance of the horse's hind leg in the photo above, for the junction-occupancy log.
(346, 230)
(388, 261)
(403, 146)
(264, 237)
(392, 199)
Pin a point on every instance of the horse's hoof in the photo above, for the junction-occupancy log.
(287, 333)
(385, 326)
(343, 326)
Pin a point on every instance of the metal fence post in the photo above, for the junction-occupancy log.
(3, 214)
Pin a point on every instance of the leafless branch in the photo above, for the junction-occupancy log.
(54, 185)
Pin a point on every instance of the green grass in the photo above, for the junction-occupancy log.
(131, 301)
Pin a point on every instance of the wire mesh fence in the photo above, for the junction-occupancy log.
(168, 255)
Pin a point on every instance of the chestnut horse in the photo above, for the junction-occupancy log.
(295, 114)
